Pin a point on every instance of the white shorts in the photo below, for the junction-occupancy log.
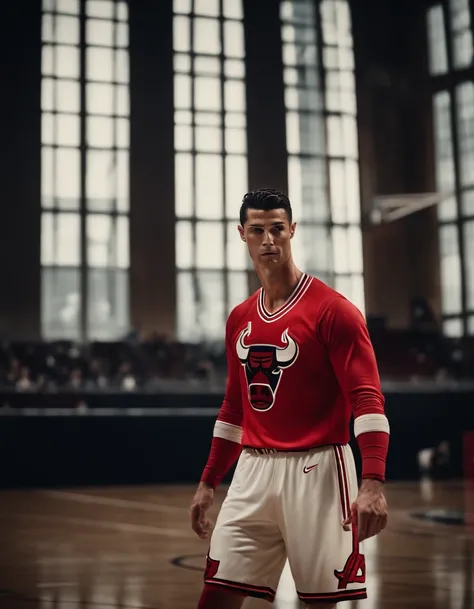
(289, 505)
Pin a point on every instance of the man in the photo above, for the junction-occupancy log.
(300, 364)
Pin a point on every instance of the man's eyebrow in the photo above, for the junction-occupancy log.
(273, 224)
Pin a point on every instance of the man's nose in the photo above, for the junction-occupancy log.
(268, 238)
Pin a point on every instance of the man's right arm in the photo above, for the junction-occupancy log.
(227, 437)
(226, 443)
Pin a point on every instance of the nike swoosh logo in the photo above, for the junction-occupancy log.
(307, 469)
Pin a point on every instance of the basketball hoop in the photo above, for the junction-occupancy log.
(387, 208)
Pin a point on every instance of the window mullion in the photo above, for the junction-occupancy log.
(84, 292)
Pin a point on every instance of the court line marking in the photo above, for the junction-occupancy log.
(116, 526)
(57, 585)
(113, 501)
(30, 598)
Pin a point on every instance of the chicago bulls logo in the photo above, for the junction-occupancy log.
(354, 569)
(264, 365)
(353, 572)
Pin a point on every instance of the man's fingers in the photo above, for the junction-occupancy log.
(363, 525)
(199, 523)
(200, 504)
(380, 524)
(351, 519)
(373, 525)
(196, 517)
(204, 528)
(347, 523)
(370, 525)
(370, 522)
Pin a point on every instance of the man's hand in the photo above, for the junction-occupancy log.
(200, 504)
(369, 510)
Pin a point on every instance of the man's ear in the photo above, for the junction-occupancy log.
(241, 232)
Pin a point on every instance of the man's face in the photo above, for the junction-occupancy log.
(268, 235)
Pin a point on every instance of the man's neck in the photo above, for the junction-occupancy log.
(278, 283)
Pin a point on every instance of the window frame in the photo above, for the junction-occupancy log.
(208, 133)
(85, 207)
(449, 83)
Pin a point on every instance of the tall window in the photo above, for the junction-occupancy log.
(322, 141)
(461, 33)
(453, 110)
(210, 164)
(85, 169)
(438, 56)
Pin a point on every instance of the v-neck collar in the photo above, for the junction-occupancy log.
(294, 298)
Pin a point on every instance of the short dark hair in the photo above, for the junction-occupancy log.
(265, 199)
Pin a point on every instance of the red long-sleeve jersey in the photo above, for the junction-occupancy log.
(296, 377)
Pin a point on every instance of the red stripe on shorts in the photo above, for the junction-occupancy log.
(342, 480)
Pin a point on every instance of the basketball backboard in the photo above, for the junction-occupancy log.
(387, 208)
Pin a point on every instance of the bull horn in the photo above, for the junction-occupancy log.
(242, 350)
(286, 355)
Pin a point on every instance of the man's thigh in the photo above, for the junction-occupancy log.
(326, 561)
(247, 552)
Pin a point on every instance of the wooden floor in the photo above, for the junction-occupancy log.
(132, 548)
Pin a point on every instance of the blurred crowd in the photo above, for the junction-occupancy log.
(129, 365)
(414, 356)
(155, 364)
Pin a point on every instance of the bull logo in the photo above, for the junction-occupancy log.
(264, 365)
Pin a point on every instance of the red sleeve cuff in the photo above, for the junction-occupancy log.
(222, 456)
(373, 446)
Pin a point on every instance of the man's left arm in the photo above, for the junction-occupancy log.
(355, 366)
